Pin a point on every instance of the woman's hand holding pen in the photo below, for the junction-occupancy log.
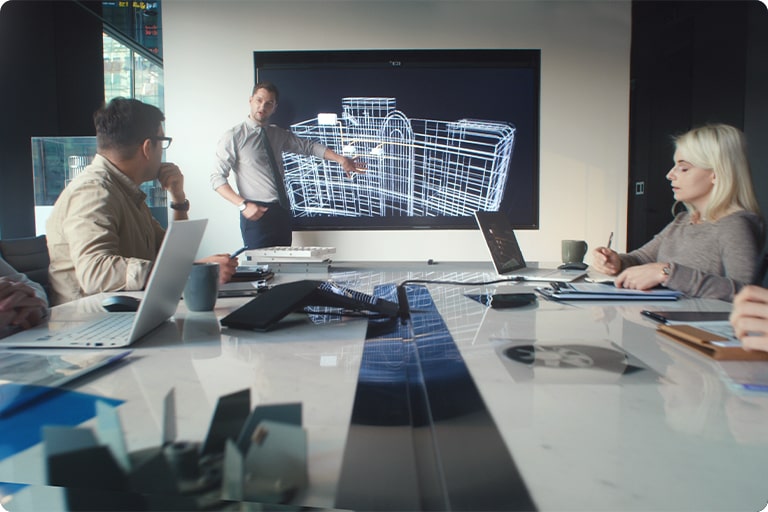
(606, 261)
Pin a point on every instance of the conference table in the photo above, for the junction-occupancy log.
(552, 406)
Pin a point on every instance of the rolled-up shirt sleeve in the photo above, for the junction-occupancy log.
(240, 151)
(226, 158)
(302, 146)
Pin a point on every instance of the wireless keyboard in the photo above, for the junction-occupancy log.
(309, 253)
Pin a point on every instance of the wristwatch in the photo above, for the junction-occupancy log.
(180, 207)
(242, 206)
(666, 271)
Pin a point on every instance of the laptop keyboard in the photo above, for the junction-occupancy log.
(103, 332)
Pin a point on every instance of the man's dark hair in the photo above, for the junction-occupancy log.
(269, 86)
(124, 124)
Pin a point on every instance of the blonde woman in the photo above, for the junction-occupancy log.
(711, 249)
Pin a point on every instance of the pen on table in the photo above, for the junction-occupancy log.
(754, 387)
(238, 252)
(610, 240)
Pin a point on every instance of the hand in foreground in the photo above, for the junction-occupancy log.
(19, 305)
(172, 180)
(227, 266)
(352, 166)
(606, 261)
(641, 277)
(750, 317)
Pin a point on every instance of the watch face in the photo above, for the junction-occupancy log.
(242, 206)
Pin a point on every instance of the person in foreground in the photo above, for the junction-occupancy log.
(252, 150)
(710, 249)
(23, 302)
(101, 234)
(750, 317)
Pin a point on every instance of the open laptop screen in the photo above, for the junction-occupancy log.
(501, 241)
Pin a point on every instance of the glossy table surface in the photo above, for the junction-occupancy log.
(596, 409)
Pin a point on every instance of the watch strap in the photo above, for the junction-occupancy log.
(181, 207)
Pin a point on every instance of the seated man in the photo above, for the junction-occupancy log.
(23, 302)
(101, 234)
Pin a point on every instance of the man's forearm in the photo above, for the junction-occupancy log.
(333, 156)
(227, 192)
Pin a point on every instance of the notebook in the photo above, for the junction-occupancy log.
(600, 291)
(161, 297)
(506, 254)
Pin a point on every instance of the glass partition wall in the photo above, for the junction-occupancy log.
(130, 74)
(58, 160)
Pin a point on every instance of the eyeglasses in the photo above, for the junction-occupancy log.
(165, 141)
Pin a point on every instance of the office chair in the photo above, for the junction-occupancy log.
(29, 256)
(762, 275)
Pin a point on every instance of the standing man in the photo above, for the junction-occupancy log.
(253, 150)
(101, 234)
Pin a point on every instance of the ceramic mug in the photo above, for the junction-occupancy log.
(202, 288)
(574, 251)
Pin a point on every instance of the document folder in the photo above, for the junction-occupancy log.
(710, 344)
(599, 291)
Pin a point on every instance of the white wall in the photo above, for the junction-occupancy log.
(585, 48)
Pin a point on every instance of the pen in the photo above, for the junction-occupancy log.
(238, 252)
(610, 240)
(754, 387)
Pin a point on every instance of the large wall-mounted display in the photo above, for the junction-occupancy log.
(443, 132)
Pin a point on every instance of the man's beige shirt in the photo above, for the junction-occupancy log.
(101, 235)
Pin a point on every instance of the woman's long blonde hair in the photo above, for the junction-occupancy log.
(723, 149)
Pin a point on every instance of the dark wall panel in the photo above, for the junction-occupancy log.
(693, 62)
(756, 104)
(51, 81)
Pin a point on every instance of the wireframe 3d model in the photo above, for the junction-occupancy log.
(416, 167)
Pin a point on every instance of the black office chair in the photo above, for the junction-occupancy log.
(29, 256)
(762, 276)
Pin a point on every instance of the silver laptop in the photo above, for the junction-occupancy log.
(506, 254)
(161, 297)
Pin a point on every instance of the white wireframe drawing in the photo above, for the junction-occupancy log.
(416, 167)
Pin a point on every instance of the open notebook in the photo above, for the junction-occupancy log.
(506, 254)
(161, 297)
